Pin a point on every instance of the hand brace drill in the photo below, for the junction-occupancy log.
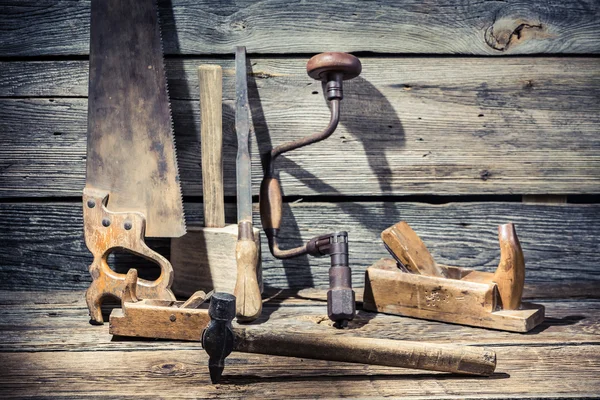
(332, 69)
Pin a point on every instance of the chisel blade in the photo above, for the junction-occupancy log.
(131, 147)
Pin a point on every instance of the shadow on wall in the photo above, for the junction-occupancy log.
(370, 119)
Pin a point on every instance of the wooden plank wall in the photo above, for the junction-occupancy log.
(463, 110)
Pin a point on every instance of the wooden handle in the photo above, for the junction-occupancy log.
(270, 203)
(247, 290)
(510, 274)
(104, 231)
(392, 353)
(408, 248)
(210, 79)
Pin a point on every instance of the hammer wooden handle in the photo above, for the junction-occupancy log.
(392, 353)
(210, 79)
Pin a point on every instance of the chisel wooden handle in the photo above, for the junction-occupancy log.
(247, 288)
(392, 353)
(210, 79)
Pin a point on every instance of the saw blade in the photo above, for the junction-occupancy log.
(131, 147)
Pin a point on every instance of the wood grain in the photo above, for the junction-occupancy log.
(465, 360)
(406, 246)
(43, 245)
(522, 373)
(210, 78)
(58, 321)
(46, 337)
(276, 26)
(409, 126)
(456, 299)
(205, 258)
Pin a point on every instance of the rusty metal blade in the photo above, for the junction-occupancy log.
(242, 128)
(131, 146)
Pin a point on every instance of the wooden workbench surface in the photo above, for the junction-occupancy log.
(467, 115)
(49, 349)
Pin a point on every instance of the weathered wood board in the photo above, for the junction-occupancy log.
(424, 118)
(46, 337)
(523, 372)
(409, 126)
(43, 246)
(50, 27)
(58, 321)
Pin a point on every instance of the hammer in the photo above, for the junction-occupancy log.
(219, 339)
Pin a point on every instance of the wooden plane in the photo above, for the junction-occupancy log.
(414, 285)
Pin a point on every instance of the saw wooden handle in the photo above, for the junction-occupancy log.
(392, 353)
(247, 288)
(210, 79)
(105, 231)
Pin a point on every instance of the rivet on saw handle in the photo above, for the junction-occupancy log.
(332, 69)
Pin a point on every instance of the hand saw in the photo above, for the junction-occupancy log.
(132, 181)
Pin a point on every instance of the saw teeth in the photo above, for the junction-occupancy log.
(178, 176)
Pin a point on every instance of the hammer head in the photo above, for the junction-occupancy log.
(217, 338)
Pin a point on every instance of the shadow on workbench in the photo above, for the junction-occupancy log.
(249, 379)
(549, 321)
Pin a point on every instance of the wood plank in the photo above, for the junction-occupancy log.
(43, 246)
(410, 126)
(54, 323)
(454, 77)
(50, 27)
(522, 372)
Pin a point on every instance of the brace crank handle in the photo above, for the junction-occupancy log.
(270, 215)
(270, 204)
(247, 289)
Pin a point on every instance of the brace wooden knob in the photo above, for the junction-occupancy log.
(324, 64)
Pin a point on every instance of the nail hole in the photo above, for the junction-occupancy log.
(172, 318)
